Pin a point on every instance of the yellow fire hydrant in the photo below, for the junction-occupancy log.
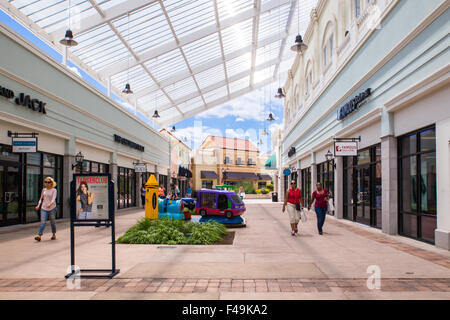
(151, 198)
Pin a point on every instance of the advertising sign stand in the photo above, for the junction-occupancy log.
(103, 189)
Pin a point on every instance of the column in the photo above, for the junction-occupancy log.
(389, 185)
(69, 160)
(113, 170)
(156, 174)
(299, 172)
(442, 233)
(138, 185)
(339, 188)
(313, 172)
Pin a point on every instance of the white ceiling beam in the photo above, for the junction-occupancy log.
(208, 65)
(199, 34)
(222, 51)
(217, 102)
(287, 28)
(110, 14)
(255, 33)
(219, 84)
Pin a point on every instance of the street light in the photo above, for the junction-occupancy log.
(224, 174)
(329, 157)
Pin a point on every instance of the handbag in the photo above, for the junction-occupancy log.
(330, 205)
(303, 215)
(297, 207)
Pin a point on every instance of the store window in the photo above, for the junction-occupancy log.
(207, 184)
(38, 166)
(417, 184)
(306, 186)
(163, 180)
(262, 185)
(92, 167)
(325, 175)
(126, 188)
(362, 187)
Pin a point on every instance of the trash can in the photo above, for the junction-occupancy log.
(274, 197)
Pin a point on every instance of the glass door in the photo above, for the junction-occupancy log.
(363, 195)
(9, 194)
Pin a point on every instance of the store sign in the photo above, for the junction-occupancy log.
(345, 149)
(128, 143)
(140, 168)
(353, 104)
(286, 172)
(24, 100)
(24, 145)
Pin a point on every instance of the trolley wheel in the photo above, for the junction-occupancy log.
(203, 213)
(229, 214)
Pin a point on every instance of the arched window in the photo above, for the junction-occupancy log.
(327, 46)
(308, 78)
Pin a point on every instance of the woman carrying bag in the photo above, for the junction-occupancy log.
(47, 206)
(321, 197)
(292, 200)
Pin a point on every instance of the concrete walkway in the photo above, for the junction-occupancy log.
(264, 262)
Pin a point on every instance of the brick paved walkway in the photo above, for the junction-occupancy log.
(225, 285)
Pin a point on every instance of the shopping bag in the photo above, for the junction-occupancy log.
(303, 215)
(330, 205)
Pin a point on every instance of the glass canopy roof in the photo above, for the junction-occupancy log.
(180, 57)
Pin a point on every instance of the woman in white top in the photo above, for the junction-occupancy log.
(47, 204)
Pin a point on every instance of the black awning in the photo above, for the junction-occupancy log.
(241, 176)
(208, 175)
(183, 172)
(263, 176)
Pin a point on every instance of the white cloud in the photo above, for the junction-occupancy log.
(76, 71)
(253, 106)
(239, 119)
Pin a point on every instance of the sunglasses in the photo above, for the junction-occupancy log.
(47, 181)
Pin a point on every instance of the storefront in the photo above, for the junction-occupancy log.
(362, 187)
(399, 180)
(417, 187)
(58, 110)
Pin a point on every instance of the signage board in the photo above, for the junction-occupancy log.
(92, 197)
(345, 149)
(24, 144)
(140, 168)
(286, 172)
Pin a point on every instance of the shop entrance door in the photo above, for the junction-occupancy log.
(363, 193)
(9, 194)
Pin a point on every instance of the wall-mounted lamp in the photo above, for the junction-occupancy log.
(78, 161)
(329, 156)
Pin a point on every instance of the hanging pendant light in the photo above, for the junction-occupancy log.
(156, 114)
(280, 94)
(127, 89)
(173, 129)
(270, 118)
(299, 45)
(265, 133)
(68, 38)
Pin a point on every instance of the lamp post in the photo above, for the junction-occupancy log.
(224, 174)
(78, 161)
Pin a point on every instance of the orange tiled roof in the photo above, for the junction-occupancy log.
(234, 143)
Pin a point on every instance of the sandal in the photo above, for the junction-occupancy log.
(53, 237)
(37, 238)
(293, 233)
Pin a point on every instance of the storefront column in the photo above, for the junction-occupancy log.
(442, 233)
(114, 175)
(156, 174)
(139, 183)
(338, 188)
(313, 172)
(299, 172)
(68, 161)
(389, 185)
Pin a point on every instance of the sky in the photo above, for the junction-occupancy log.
(244, 117)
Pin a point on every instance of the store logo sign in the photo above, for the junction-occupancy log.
(24, 100)
(128, 143)
(353, 104)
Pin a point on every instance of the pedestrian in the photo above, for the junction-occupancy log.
(241, 193)
(189, 192)
(47, 206)
(321, 197)
(143, 195)
(161, 191)
(177, 192)
(292, 200)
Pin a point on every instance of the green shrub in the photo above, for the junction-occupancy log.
(269, 187)
(264, 191)
(166, 231)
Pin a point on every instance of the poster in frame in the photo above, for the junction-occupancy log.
(91, 200)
